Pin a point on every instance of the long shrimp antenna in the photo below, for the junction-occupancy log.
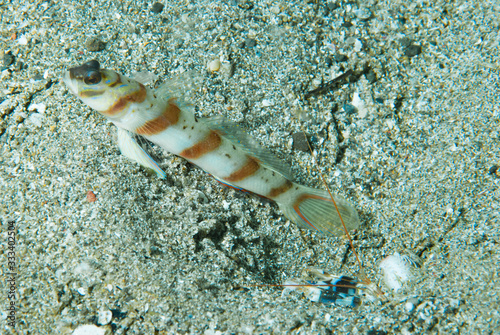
(366, 283)
(362, 274)
(315, 160)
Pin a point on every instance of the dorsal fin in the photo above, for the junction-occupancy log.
(181, 86)
(237, 135)
(144, 77)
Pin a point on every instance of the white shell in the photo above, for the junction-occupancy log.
(396, 271)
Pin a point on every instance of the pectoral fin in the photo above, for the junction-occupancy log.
(132, 150)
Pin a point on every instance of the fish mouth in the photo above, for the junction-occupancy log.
(69, 82)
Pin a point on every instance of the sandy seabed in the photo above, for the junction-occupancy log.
(410, 136)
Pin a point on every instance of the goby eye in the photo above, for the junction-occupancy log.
(92, 78)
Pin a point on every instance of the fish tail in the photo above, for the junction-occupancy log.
(314, 209)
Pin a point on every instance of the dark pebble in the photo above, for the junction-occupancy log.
(8, 59)
(313, 140)
(300, 141)
(250, 42)
(37, 77)
(157, 7)
(154, 251)
(376, 332)
(495, 170)
(347, 24)
(19, 66)
(329, 61)
(413, 50)
(340, 58)
(179, 42)
(349, 109)
(371, 76)
(117, 314)
(95, 44)
(405, 42)
(332, 6)
(246, 5)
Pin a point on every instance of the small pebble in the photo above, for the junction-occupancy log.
(332, 6)
(40, 108)
(89, 330)
(250, 42)
(36, 119)
(37, 76)
(413, 50)
(396, 271)
(82, 291)
(228, 69)
(371, 76)
(246, 5)
(267, 103)
(340, 58)
(275, 10)
(22, 40)
(349, 109)
(8, 59)
(91, 197)
(358, 45)
(363, 13)
(300, 141)
(19, 66)
(409, 307)
(95, 44)
(328, 61)
(157, 7)
(347, 24)
(359, 104)
(104, 317)
(495, 170)
(405, 42)
(118, 315)
(214, 65)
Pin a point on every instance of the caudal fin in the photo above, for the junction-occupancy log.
(314, 209)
